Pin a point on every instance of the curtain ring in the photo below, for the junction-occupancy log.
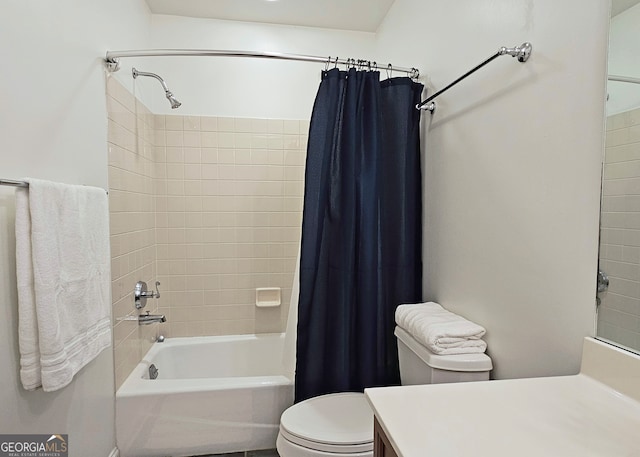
(375, 66)
(389, 71)
(369, 65)
(336, 64)
(326, 65)
(415, 73)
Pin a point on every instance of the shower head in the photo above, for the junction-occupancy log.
(174, 103)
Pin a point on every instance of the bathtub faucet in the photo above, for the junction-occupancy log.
(146, 319)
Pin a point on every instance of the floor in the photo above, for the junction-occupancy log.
(265, 453)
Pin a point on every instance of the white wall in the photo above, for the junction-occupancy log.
(624, 49)
(53, 126)
(242, 87)
(512, 169)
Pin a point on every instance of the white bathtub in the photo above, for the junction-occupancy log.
(212, 395)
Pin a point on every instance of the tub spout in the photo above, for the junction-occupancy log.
(146, 319)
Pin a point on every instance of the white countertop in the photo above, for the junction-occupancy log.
(558, 416)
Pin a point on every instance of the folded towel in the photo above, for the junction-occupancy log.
(63, 276)
(441, 331)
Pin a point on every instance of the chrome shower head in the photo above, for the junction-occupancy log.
(174, 103)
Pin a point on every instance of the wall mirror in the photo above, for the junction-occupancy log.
(619, 262)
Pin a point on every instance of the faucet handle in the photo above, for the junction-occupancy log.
(140, 294)
(152, 293)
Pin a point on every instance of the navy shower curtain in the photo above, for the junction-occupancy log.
(361, 231)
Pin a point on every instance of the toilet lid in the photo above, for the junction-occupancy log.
(328, 422)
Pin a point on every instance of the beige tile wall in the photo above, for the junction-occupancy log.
(619, 314)
(131, 207)
(229, 206)
(212, 208)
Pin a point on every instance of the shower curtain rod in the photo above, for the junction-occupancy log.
(522, 52)
(113, 64)
(623, 79)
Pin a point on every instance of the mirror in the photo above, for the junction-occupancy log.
(619, 305)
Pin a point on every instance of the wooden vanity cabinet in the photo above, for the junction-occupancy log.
(381, 444)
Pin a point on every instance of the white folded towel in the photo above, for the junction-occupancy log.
(443, 332)
(63, 276)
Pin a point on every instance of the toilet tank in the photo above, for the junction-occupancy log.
(418, 365)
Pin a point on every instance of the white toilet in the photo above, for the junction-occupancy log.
(342, 424)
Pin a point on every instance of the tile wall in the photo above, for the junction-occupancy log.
(132, 216)
(619, 313)
(209, 206)
(228, 217)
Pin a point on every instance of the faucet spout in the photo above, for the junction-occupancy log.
(146, 319)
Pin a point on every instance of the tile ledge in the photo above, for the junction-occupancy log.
(617, 368)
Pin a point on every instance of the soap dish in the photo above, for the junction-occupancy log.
(268, 297)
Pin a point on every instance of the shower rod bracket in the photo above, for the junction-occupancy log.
(112, 64)
(431, 106)
(522, 53)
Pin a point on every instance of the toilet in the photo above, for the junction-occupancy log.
(342, 424)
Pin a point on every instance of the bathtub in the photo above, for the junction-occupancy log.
(212, 395)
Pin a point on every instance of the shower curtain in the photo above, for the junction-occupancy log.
(361, 231)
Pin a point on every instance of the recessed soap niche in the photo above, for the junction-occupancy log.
(268, 297)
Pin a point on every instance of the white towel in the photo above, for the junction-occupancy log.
(63, 276)
(443, 332)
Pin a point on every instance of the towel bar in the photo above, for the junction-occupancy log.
(11, 182)
(14, 183)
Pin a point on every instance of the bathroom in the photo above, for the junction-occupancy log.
(512, 160)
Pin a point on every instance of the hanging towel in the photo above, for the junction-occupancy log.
(443, 332)
(63, 276)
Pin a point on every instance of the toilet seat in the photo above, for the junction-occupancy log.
(336, 423)
(288, 449)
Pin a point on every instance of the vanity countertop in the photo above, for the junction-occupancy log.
(557, 416)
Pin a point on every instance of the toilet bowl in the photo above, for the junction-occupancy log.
(328, 425)
(341, 424)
